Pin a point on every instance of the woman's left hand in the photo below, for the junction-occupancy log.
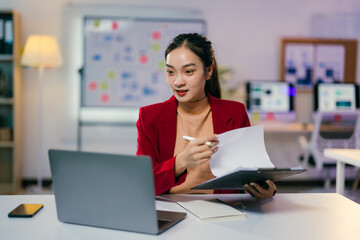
(261, 193)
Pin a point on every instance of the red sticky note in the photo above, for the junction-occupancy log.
(105, 98)
(156, 35)
(143, 59)
(93, 86)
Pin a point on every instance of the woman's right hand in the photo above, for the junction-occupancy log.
(196, 153)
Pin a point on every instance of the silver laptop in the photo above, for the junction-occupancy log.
(107, 190)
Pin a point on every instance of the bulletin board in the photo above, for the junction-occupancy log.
(307, 61)
(124, 62)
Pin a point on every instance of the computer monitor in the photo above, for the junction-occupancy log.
(329, 97)
(270, 97)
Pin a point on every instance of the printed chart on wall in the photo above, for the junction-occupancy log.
(124, 59)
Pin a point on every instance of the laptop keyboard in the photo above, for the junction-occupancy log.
(162, 222)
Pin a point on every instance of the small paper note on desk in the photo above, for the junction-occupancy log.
(212, 209)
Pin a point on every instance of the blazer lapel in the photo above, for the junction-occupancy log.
(222, 120)
(167, 130)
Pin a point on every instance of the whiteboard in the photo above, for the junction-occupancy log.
(124, 59)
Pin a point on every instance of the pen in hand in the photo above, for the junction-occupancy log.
(187, 138)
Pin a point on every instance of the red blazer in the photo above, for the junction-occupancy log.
(157, 133)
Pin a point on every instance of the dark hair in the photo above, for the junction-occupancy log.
(199, 45)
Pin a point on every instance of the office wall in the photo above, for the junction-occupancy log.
(246, 36)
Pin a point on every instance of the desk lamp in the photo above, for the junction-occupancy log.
(41, 51)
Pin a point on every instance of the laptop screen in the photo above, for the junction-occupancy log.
(107, 190)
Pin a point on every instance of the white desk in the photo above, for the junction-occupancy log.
(287, 216)
(343, 156)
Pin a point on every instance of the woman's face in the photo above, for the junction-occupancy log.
(185, 75)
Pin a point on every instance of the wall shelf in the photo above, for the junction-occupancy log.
(6, 144)
(6, 101)
(6, 58)
(11, 106)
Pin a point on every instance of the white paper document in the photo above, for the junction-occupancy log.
(212, 209)
(242, 148)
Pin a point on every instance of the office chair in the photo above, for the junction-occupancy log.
(357, 177)
(331, 130)
(356, 181)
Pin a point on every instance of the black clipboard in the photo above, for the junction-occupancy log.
(236, 180)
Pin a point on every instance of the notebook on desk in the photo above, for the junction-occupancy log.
(107, 190)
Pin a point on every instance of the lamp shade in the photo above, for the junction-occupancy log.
(41, 50)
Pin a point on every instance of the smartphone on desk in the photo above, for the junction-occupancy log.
(26, 210)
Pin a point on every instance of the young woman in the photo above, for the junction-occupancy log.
(195, 110)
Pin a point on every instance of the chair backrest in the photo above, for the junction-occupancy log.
(334, 130)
